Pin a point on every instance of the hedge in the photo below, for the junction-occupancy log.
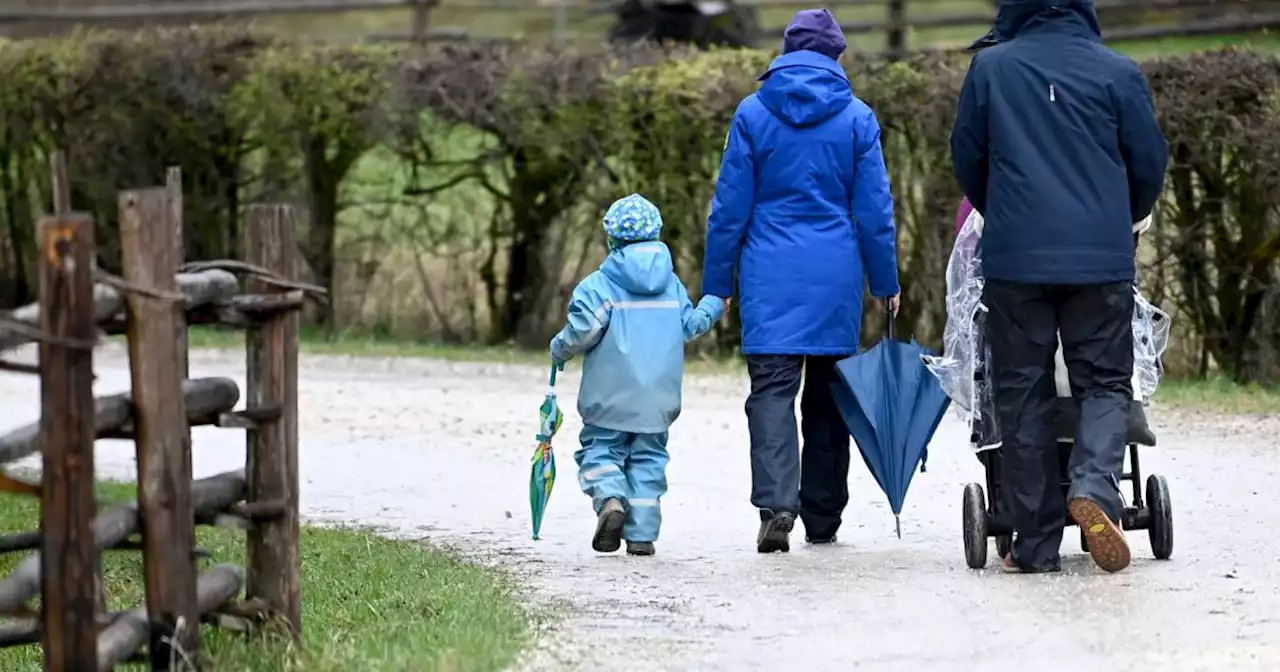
(455, 192)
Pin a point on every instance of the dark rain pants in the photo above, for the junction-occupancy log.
(1095, 324)
(814, 485)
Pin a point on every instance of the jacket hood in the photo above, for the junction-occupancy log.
(640, 268)
(814, 30)
(805, 88)
(1076, 16)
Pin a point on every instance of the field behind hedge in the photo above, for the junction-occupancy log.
(454, 193)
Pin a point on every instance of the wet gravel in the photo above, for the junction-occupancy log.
(440, 451)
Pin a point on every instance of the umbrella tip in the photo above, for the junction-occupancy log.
(897, 524)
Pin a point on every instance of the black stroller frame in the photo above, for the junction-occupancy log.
(1152, 512)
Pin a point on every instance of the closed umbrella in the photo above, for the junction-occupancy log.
(542, 477)
(892, 406)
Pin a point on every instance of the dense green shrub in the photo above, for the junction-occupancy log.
(455, 192)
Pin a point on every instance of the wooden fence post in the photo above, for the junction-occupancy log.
(896, 27)
(69, 560)
(160, 423)
(275, 565)
(60, 183)
(173, 187)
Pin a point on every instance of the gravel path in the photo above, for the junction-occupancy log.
(440, 450)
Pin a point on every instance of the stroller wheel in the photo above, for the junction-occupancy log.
(975, 526)
(1004, 544)
(1161, 528)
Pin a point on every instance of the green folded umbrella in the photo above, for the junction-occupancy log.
(542, 477)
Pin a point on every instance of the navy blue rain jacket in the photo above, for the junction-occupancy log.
(1056, 144)
(802, 213)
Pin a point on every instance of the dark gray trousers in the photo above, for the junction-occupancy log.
(813, 484)
(1024, 323)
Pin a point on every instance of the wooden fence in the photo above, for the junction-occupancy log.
(153, 304)
(1122, 20)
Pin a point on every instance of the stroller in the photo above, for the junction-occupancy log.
(962, 372)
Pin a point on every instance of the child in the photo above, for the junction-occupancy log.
(631, 319)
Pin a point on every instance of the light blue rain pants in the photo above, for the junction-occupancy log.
(631, 468)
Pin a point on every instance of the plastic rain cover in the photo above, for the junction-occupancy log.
(962, 367)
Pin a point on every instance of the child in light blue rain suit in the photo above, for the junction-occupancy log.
(631, 319)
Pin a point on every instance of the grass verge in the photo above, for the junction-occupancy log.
(369, 603)
(1216, 394)
(1220, 395)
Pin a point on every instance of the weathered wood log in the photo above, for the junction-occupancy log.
(61, 186)
(17, 486)
(19, 632)
(30, 541)
(22, 631)
(113, 526)
(274, 561)
(69, 565)
(16, 367)
(200, 289)
(173, 194)
(149, 254)
(264, 510)
(205, 399)
(118, 642)
(21, 541)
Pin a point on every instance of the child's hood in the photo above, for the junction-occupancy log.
(640, 268)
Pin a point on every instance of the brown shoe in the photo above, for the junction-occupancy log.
(1106, 540)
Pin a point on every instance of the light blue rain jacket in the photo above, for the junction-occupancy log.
(631, 318)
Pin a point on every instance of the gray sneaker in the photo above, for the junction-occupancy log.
(775, 533)
(608, 536)
(640, 548)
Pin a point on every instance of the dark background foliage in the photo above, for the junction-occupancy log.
(454, 193)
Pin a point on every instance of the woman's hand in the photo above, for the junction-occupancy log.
(894, 302)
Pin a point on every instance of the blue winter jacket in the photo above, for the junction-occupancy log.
(631, 318)
(1056, 144)
(802, 209)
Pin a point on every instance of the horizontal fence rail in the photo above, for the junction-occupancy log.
(1122, 20)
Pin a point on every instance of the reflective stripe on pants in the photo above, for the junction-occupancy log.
(631, 468)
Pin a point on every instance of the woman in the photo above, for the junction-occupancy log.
(802, 219)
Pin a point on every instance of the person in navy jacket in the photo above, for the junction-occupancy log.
(1056, 144)
(802, 219)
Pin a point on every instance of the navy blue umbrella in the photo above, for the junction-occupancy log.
(892, 406)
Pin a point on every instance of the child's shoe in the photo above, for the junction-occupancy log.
(608, 537)
(640, 548)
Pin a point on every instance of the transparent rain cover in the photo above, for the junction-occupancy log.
(962, 368)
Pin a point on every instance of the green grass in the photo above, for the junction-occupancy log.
(369, 603)
(1220, 395)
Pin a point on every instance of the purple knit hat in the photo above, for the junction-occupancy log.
(814, 30)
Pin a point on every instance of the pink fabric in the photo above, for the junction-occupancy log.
(965, 208)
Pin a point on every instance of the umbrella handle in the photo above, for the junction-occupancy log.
(888, 316)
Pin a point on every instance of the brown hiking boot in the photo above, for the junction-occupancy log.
(608, 536)
(1105, 539)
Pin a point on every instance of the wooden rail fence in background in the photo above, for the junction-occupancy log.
(1122, 20)
(152, 304)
